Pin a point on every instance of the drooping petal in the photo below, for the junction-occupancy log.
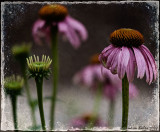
(110, 57)
(149, 66)
(38, 25)
(107, 48)
(36, 31)
(152, 60)
(114, 62)
(79, 27)
(105, 55)
(131, 66)
(133, 91)
(123, 59)
(70, 33)
(141, 64)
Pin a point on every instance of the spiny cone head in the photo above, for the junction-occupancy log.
(39, 68)
(94, 59)
(53, 12)
(126, 37)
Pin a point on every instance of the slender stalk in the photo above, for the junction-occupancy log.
(14, 109)
(111, 113)
(55, 74)
(125, 102)
(39, 83)
(96, 106)
(23, 68)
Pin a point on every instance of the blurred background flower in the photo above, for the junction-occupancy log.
(57, 15)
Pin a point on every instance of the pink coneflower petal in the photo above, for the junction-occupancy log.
(114, 62)
(104, 58)
(70, 33)
(107, 48)
(110, 57)
(151, 58)
(123, 59)
(101, 56)
(37, 34)
(149, 67)
(79, 27)
(131, 66)
(141, 64)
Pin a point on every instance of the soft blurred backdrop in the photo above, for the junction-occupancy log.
(100, 20)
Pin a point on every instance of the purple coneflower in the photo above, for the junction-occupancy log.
(57, 15)
(126, 53)
(84, 120)
(55, 19)
(123, 56)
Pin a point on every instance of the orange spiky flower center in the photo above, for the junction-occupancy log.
(53, 12)
(126, 37)
(94, 59)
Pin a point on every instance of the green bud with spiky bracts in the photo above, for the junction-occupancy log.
(21, 52)
(39, 68)
(13, 84)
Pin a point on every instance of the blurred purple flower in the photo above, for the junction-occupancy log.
(126, 53)
(57, 15)
(84, 120)
(95, 73)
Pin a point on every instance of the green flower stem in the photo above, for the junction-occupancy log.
(23, 67)
(96, 106)
(14, 109)
(39, 83)
(54, 73)
(125, 102)
(111, 113)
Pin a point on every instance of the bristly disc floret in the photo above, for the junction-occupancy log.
(126, 37)
(53, 13)
(13, 84)
(39, 68)
(94, 59)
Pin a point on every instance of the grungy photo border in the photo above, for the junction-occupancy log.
(156, 90)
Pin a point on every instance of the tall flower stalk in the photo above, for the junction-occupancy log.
(55, 19)
(55, 70)
(39, 70)
(20, 53)
(13, 86)
(125, 102)
(123, 56)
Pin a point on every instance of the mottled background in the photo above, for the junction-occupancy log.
(100, 20)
